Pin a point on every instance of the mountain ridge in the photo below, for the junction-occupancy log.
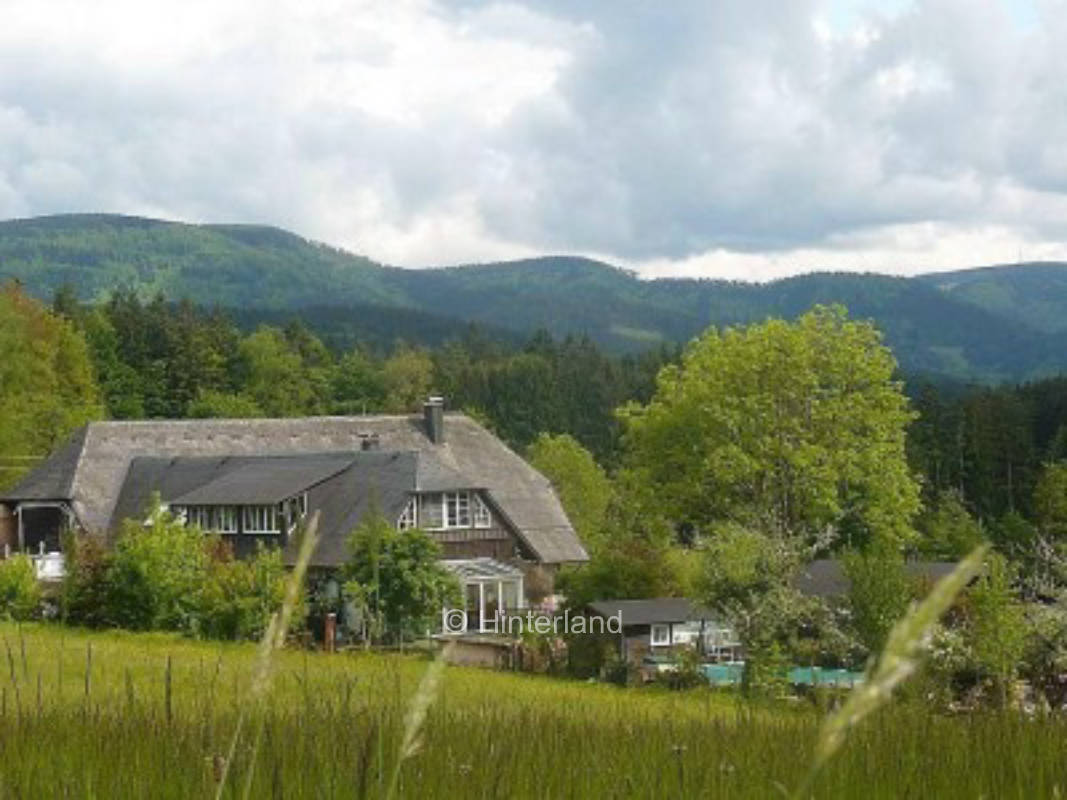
(986, 323)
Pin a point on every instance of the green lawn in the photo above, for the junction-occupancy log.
(86, 715)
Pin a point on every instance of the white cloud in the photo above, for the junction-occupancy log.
(749, 139)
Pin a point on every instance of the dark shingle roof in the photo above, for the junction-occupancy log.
(656, 610)
(380, 480)
(261, 480)
(53, 478)
(92, 471)
(221, 480)
(827, 578)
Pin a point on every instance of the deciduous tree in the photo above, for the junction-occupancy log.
(796, 429)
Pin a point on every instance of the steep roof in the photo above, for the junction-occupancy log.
(383, 480)
(655, 610)
(221, 480)
(261, 480)
(91, 470)
(53, 477)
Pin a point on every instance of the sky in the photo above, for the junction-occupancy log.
(751, 139)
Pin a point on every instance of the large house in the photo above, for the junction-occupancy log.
(500, 524)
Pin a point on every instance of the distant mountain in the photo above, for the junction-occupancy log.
(1034, 294)
(1003, 323)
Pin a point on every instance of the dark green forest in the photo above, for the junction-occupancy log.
(552, 345)
(987, 445)
(989, 325)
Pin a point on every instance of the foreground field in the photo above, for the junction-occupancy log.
(102, 715)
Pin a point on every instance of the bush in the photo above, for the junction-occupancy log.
(167, 576)
(239, 596)
(395, 579)
(20, 593)
(157, 575)
(687, 672)
(766, 672)
(85, 598)
(880, 591)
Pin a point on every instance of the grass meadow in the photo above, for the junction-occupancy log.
(117, 715)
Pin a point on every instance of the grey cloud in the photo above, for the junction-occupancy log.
(671, 130)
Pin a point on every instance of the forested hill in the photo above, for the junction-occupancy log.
(987, 324)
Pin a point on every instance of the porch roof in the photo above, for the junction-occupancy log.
(481, 569)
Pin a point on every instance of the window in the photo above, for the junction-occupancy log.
(457, 509)
(431, 512)
(260, 519)
(226, 519)
(661, 635)
(199, 517)
(217, 519)
(410, 518)
(442, 510)
(482, 517)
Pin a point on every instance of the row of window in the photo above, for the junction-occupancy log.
(661, 636)
(442, 510)
(434, 512)
(223, 519)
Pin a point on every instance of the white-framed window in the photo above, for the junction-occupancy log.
(482, 517)
(198, 516)
(463, 509)
(410, 518)
(213, 519)
(226, 519)
(457, 509)
(661, 635)
(260, 519)
(431, 514)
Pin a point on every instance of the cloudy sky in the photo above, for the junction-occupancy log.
(746, 139)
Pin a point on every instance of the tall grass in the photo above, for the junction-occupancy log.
(334, 726)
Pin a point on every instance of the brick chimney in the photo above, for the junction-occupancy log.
(434, 413)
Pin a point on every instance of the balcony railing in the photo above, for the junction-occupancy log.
(50, 566)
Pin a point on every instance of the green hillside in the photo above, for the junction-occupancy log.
(987, 324)
(1033, 294)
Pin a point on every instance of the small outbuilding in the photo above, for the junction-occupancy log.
(656, 629)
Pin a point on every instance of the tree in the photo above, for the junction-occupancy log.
(407, 376)
(635, 556)
(948, 531)
(583, 487)
(47, 386)
(746, 579)
(796, 429)
(120, 382)
(1050, 501)
(396, 579)
(156, 573)
(274, 376)
(879, 591)
(211, 404)
(998, 624)
(357, 384)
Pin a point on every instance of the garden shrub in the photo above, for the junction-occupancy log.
(164, 575)
(85, 596)
(157, 574)
(20, 593)
(239, 596)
